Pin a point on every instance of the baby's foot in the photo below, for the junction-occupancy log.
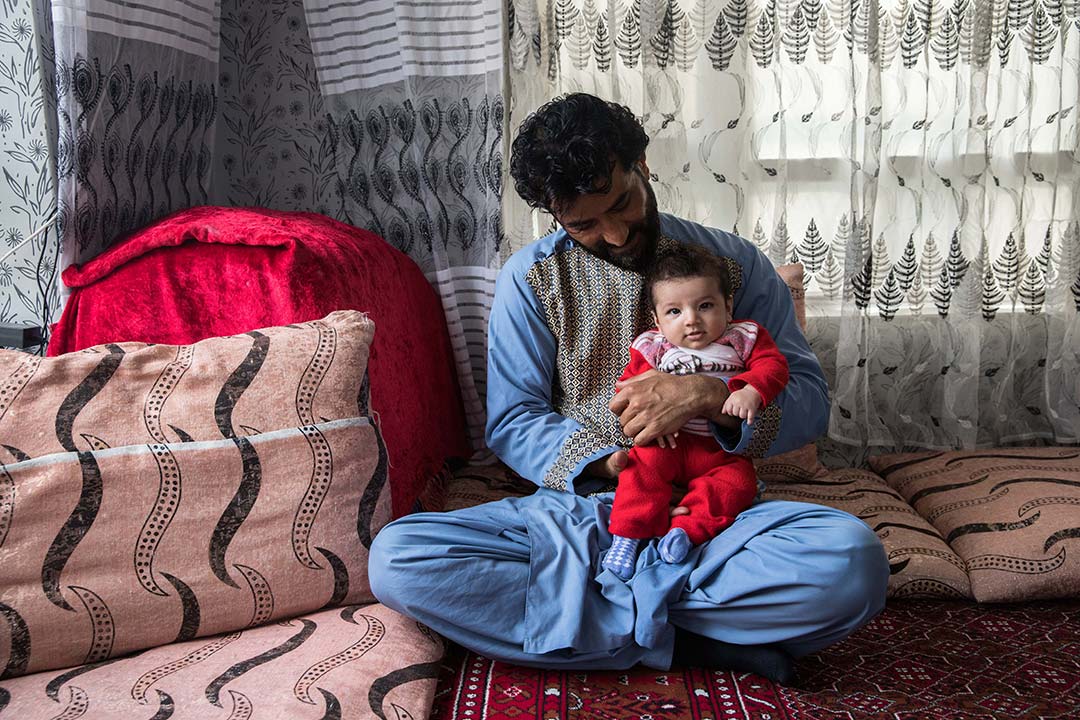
(622, 557)
(674, 545)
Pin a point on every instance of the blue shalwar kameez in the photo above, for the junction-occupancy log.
(521, 579)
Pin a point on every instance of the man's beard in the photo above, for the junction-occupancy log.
(642, 239)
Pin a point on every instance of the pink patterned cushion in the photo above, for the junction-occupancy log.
(130, 393)
(114, 536)
(1012, 514)
(355, 662)
(921, 564)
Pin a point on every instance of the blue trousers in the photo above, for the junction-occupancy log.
(520, 580)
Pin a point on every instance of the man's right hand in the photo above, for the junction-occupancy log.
(608, 467)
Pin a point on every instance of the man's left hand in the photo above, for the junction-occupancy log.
(655, 404)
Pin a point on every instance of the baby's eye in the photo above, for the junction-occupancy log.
(707, 305)
(672, 311)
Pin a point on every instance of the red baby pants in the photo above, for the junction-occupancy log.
(721, 486)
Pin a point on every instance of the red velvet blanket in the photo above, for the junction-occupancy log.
(213, 271)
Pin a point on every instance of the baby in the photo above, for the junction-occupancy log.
(688, 288)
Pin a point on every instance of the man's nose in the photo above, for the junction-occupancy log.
(615, 233)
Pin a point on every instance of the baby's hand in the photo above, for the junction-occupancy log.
(743, 403)
(667, 441)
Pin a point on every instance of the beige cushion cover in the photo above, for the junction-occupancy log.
(354, 662)
(1012, 515)
(921, 564)
(115, 536)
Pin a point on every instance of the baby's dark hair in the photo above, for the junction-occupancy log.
(685, 261)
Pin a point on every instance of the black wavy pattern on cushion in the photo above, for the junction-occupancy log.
(333, 705)
(341, 578)
(7, 502)
(926, 492)
(902, 526)
(213, 690)
(102, 626)
(895, 568)
(94, 441)
(242, 707)
(973, 528)
(1006, 456)
(154, 675)
(322, 476)
(16, 453)
(888, 492)
(157, 522)
(166, 706)
(83, 393)
(184, 437)
(363, 397)
(237, 510)
(73, 530)
(1053, 481)
(261, 594)
(19, 655)
(189, 627)
(1014, 564)
(52, 689)
(370, 498)
(927, 588)
(238, 382)
(382, 686)
(907, 463)
(349, 612)
(1065, 534)
(800, 481)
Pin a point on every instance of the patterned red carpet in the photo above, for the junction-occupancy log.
(918, 660)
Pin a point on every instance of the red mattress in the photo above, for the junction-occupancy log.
(211, 271)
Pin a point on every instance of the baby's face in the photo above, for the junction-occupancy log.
(691, 312)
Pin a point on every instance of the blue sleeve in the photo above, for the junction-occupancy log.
(523, 429)
(800, 414)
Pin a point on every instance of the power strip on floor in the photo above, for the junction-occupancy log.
(20, 336)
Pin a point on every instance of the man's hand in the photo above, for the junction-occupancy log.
(608, 467)
(654, 404)
(743, 403)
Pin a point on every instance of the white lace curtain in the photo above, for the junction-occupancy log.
(920, 159)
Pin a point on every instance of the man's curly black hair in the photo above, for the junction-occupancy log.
(568, 148)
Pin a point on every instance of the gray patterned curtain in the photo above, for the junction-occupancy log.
(386, 115)
(919, 157)
(136, 100)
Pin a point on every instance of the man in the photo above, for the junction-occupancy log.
(520, 579)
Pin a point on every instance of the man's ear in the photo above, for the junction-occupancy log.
(644, 166)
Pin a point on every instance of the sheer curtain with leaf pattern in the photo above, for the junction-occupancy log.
(920, 158)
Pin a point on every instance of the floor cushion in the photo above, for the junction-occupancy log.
(352, 662)
(921, 564)
(1012, 514)
(156, 493)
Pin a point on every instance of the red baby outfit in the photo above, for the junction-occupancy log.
(720, 485)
